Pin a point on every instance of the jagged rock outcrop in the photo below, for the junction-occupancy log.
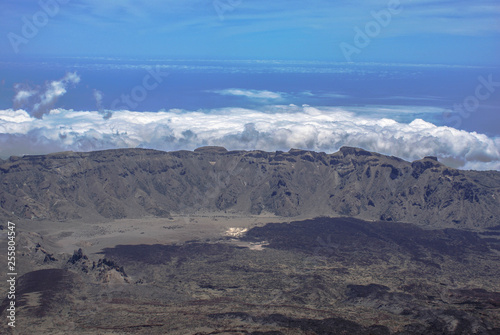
(31, 246)
(134, 183)
(104, 271)
(77, 255)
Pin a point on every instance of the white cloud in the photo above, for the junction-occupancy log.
(99, 96)
(252, 94)
(23, 95)
(38, 101)
(276, 128)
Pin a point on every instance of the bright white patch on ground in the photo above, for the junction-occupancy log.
(236, 232)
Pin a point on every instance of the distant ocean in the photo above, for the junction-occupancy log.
(395, 91)
(408, 111)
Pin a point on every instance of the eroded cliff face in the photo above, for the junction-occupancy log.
(352, 182)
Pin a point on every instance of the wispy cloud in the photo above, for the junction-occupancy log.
(252, 94)
(320, 129)
(39, 100)
(261, 29)
(99, 96)
(333, 95)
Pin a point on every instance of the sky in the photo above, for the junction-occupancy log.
(407, 78)
(410, 31)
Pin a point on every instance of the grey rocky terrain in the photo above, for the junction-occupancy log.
(353, 182)
(216, 242)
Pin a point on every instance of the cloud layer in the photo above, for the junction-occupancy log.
(39, 100)
(252, 94)
(276, 128)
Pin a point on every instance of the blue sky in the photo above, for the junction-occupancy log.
(419, 31)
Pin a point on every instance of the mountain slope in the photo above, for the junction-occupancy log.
(352, 182)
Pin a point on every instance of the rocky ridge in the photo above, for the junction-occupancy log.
(133, 183)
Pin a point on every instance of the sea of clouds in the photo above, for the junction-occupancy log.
(35, 126)
(278, 127)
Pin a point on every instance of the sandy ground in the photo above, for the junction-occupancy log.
(65, 237)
